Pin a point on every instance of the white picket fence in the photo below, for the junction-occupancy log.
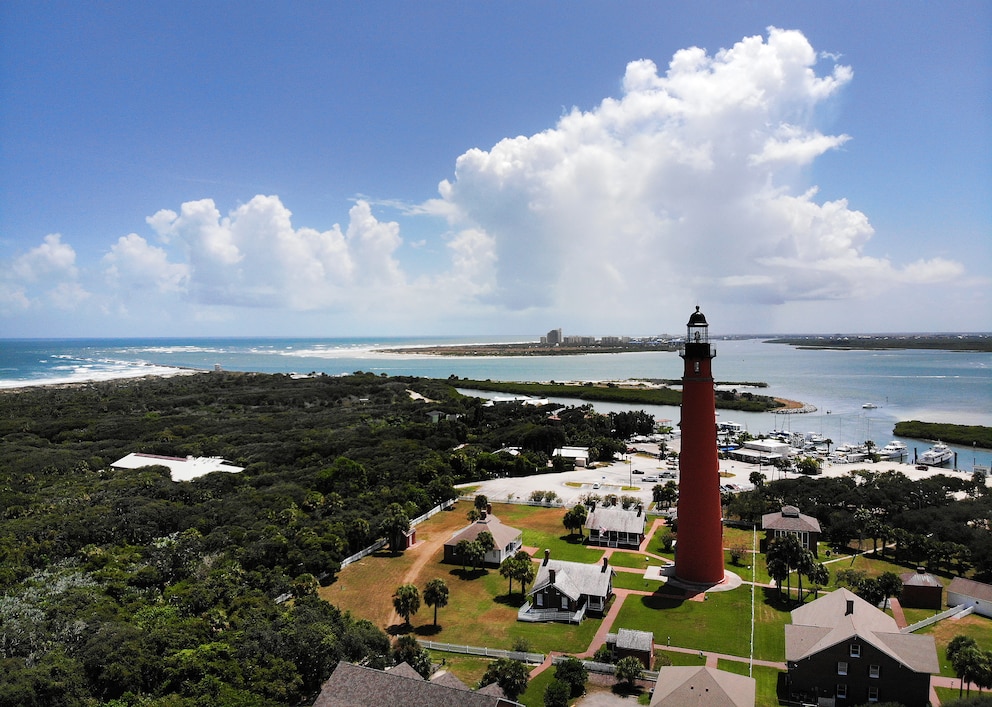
(379, 544)
(522, 656)
(953, 611)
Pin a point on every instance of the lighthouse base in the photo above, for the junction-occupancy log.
(729, 582)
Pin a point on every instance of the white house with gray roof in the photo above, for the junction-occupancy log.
(507, 540)
(614, 526)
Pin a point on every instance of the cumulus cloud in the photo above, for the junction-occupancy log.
(688, 184)
(691, 185)
(256, 257)
(45, 275)
(134, 264)
(51, 259)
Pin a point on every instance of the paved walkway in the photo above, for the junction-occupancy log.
(897, 613)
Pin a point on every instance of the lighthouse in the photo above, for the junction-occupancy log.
(699, 550)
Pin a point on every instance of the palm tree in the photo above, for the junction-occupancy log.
(406, 601)
(525, 570)
(436, 595)
(508, 568)
(955, 654)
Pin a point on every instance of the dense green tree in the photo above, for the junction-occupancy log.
(408, 650)
(628, 671)
(575, 518)
(556, 694)
(890, 585)
(511, 675)
(572, 672)
(394, 524)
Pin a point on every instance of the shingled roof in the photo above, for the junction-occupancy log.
(574, 579)
(842, 615)
(699, 686)
(357, 686)
(612, 518)
(790, 519)
(970, 588)
(503, 535)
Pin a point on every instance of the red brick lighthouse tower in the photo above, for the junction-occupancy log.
(699, 551)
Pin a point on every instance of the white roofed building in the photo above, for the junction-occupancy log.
(180, 468)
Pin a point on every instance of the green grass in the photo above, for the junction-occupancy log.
(629, 580)
(677, 657)
(976, 627)
(543, 529)
(635, 560)
(720, 624)
(467, 668)
(533, 696)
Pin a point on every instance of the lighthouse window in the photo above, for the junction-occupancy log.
(695, 367)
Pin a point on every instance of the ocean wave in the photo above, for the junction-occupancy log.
(176, 349)
(92, 371)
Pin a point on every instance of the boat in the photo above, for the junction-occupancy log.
(893, 450)
(938, 455)
(869, 406)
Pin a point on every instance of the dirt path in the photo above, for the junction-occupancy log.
(424, 551)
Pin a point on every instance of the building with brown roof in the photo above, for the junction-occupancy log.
(842, 648)
(614, 526)
(921, 590)
(789, 521)
(508, 540)
(967, 592)
(699, 686)
(565, 591)
(357, 686)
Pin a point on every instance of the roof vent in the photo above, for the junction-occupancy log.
(790, 511)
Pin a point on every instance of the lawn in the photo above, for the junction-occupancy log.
(543, 530)
(630, 580)
(480, 610)
(977, 627)
(664, 657)
(635, 560)
(467, 668)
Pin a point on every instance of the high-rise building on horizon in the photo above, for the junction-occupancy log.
(699, 550)
(554, 337)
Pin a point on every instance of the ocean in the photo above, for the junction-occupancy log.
(934, 386)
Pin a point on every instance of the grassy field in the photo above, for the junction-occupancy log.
(976, 627)
(480, 610)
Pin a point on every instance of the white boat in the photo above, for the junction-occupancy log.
(869, 406)
(893, 450)
(938, 455)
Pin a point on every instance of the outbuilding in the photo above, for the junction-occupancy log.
(921, 590)
(967, 592)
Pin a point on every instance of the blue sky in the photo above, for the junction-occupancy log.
(392, 168)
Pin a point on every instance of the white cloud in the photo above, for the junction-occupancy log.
(52, 258)
(691, 186)
(134, 264)
(682, 188)
(45, 275)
